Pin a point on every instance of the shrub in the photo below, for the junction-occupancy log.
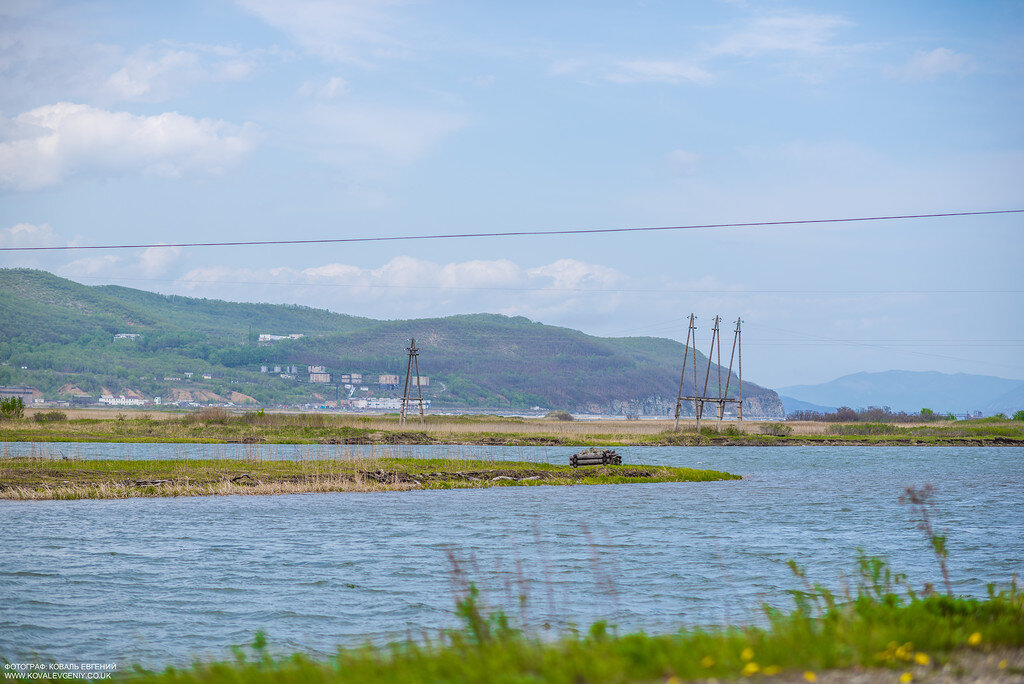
(50, 417)
(1019, 415)
(12, 407)
(559, 415)
(776, 429)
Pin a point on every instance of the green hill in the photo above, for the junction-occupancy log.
(63, 332)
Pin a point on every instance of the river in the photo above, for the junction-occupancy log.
(160, 581)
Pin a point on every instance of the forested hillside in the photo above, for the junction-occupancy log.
(63, 333)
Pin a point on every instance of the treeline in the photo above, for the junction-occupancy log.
(871, 414)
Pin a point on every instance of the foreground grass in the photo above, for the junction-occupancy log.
(50, 478)
(908, 635)
(218, 426)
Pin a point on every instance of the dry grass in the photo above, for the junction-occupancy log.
(60, 478)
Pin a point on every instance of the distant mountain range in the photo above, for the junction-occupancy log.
(910, 391)
(116, 339)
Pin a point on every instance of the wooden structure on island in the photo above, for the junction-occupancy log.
(721, 397)
(413, 367)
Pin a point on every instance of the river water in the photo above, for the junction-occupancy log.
(159, 581)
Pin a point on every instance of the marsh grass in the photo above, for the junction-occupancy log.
(881, 624)
(217, 425)
(63, 478)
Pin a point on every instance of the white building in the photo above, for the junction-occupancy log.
(111, 400)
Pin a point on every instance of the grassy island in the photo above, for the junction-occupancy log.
(54, 478)
(219, 426)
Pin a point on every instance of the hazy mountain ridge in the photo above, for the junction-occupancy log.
(911, 391)
(63, 331)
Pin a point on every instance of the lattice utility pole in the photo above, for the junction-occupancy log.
(737, 346)
(691, 333)
(721, 398)
(413, 367)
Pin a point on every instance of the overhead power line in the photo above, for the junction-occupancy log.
(522, 233)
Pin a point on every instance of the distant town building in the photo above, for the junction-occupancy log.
(27, 394)
(318, 369)
(127, 336)
(423, 379)
(387, 380)
(277, 338)
(320, 377)
(264, 369)
(351, 378)
(111, 400)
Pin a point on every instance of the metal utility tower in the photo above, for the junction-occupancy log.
(413, 367)
(721, 398)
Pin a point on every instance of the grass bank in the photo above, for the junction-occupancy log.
(50, 478)
(876, 632)
(219, 426)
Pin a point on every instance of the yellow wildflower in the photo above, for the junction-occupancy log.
(673, 680)
(772, 670)
(903, 652)
(750, 668)
(922, 658)
(810, 677)
(1003, 663)
(747, 654)
(974, 639)
(906, 677)
(707, 661)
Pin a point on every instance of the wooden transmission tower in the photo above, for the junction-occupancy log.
(721, 397)
(413, 367)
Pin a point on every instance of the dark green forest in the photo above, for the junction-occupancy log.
(62, 333)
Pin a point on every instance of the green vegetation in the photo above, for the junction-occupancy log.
(880, 623)
(216, 425)
(63, 333)
(12, 408)
(63, 478)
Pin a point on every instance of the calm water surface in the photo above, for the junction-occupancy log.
(156, 581)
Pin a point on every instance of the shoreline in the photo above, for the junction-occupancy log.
(34, 478)
(210, 426)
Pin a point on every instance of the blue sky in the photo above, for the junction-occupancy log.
(261, 120)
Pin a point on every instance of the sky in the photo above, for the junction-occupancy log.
(252, 120)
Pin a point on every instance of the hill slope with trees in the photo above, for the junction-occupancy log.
(63, 333)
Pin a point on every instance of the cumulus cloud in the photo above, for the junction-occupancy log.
(157, 260)
(48, 145)
(928, 66)
(31, 235)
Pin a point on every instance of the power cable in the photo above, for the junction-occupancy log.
(522, 233)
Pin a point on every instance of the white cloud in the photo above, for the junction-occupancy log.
(332, 89)
(928, 66)
(154, 76)
(370, 134)
(157, 260)
(789, 32)
(338, 30)
(657, 71)
(629, 71)
(683, 162)
(31, 235)
(91, 266)
(50, 144)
